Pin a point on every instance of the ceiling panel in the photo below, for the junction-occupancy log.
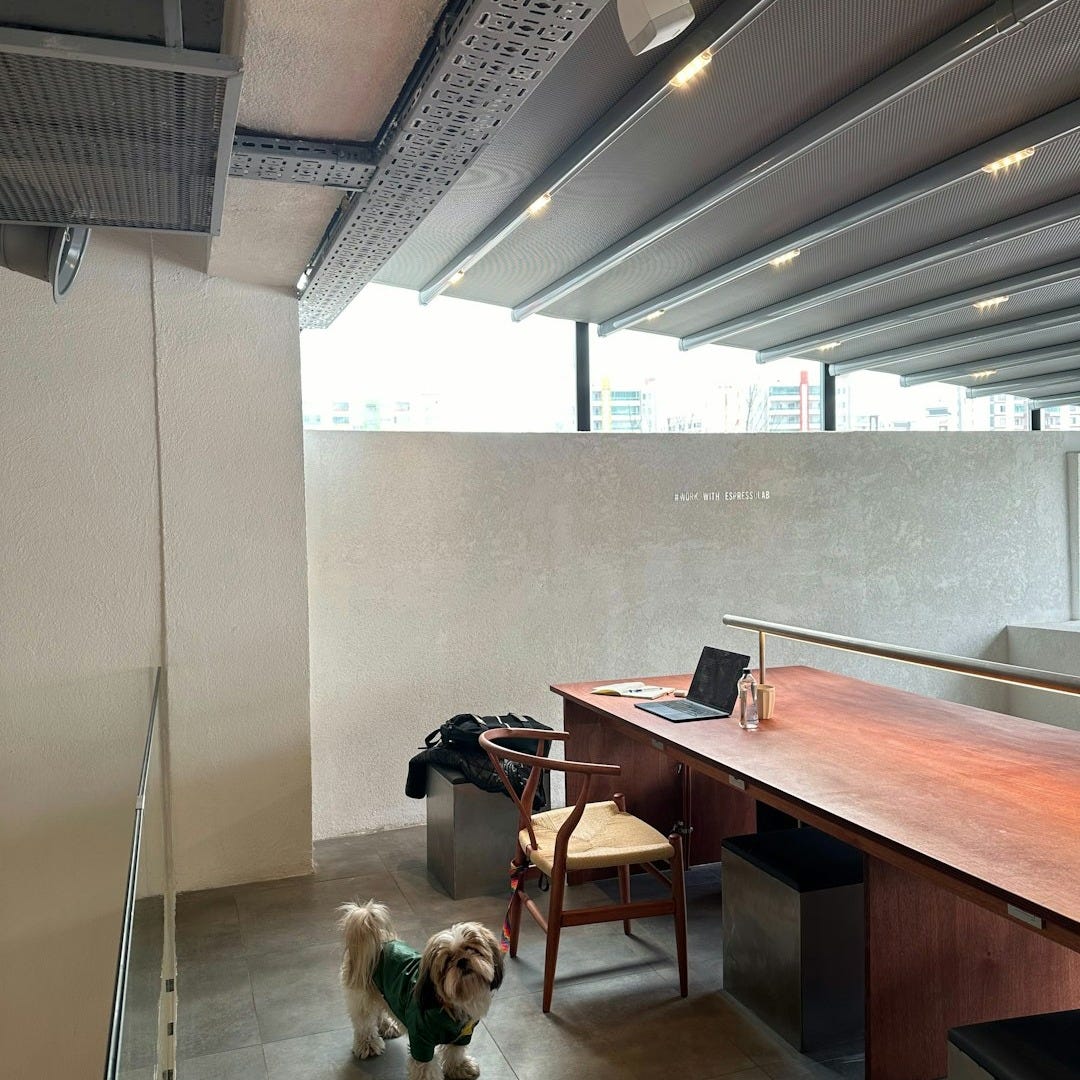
(791, 62)
(1015, 80)
(959, 353)
(1069, 359)
(1020, 305)
(972, 204)
(991, 263)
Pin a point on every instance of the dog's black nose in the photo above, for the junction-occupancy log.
(463, 963)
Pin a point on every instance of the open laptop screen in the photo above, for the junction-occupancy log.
(716, 678)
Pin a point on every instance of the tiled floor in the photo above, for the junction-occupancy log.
(259, 997)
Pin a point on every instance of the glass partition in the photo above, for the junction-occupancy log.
(137, 1023)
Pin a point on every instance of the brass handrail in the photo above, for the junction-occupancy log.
(1054, 681)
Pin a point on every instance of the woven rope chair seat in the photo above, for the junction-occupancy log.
(605, 836)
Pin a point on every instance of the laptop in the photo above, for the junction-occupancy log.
(711, 694)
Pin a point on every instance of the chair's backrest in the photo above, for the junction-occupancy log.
(538, 763)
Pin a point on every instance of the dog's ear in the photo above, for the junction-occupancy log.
(426, 994)
(497, 962)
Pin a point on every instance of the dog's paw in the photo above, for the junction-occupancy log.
(367, 1046)
(389, 1028)
(464, 1068)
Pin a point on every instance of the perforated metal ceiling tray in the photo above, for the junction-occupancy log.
(487, 57)
(110, 133)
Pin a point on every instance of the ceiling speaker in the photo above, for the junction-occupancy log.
(46, 252)
(649, 23)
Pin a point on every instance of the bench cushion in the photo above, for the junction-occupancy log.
(1044, 1047)
(805, 860)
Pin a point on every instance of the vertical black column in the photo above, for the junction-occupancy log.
(1036, 419)
(828, 399)
(584, 394)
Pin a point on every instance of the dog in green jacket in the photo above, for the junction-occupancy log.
(437, 996)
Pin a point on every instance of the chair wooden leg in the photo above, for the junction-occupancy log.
(516, 904)
(554, 920)
(678, 894)
(624, 893)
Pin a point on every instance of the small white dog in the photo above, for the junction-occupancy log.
(437, 996)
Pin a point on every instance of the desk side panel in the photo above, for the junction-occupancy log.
(937, 961)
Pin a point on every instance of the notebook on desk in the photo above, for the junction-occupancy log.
(712, 693)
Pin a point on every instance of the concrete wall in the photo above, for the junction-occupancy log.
(467, 572)
(79, 616)
(93, 595)
(235, 578)
(1053, 647)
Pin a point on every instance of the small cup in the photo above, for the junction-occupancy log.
(766, 699)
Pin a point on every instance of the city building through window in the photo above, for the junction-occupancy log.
(390, 364)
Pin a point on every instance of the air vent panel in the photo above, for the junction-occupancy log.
(102, 133)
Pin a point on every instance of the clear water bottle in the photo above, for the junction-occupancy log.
(748, 714)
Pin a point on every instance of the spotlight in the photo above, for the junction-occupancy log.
(46, 252)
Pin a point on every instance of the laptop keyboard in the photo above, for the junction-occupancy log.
(687, 707)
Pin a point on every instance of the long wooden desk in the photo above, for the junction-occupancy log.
(970, 821)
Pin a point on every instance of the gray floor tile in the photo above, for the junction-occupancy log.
(346, 856)
(616, 1014)
(208, 927)
(216, 1010)
(328, 1056)
(147, 934)
(593, 953)
(244, 1064)
(141, 1003)
(742, 1074)
(304, 913)
(298, 992)
(396, 845)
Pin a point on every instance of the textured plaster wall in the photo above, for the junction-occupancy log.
(82, 596)
(467, 572)
(1054, 647)
(235, 579)
(79, 617)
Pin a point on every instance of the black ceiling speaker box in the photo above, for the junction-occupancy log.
(47, 252)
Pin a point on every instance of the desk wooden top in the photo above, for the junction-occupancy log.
(990, 801)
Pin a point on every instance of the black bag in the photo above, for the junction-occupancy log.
(462, 732)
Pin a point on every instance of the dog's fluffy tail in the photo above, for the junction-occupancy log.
(365, 928)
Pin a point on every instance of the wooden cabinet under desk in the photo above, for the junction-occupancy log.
(653, 781)
(969, 822)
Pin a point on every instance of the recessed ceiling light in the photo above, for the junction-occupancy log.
(301, 282)
(1008, 161)
(783, 260)
(984, 374)
(989, 305)
(539, 205)
(828, 346)
(684, 75)
(457, 277)
(655, 315)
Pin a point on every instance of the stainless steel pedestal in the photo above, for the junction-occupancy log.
(470, 835)
(794, 953)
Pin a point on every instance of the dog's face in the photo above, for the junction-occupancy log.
(462, 966)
